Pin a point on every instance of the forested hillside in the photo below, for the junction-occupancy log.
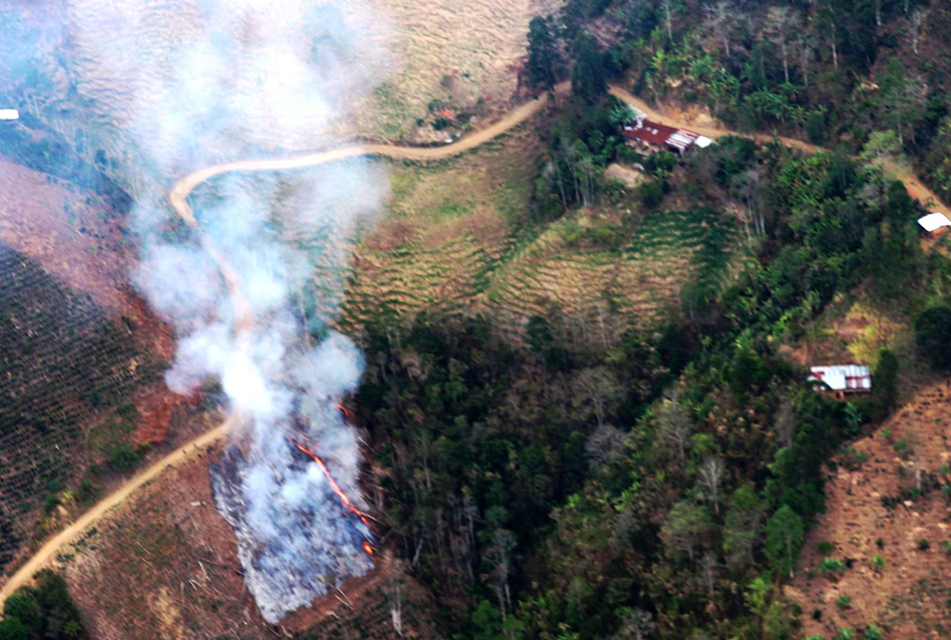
(659, 484)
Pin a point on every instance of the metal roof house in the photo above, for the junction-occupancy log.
(647, 134)
(934, 223)
(842, 378)
(9, 114)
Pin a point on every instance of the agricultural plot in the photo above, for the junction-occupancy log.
(63, 360)
(460, 241)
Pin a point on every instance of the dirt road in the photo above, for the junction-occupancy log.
(48, 551)
(915, 187)
(178, 198)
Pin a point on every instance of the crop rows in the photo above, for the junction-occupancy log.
(61, 360)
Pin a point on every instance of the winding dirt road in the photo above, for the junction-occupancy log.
(178, 199)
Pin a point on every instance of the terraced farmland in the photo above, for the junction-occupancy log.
(62, 361)
(459, 241)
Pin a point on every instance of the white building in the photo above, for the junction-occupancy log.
(9, 114)
(932, 222)
(843, 378)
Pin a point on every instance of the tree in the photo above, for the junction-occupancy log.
(784, 535)
(674, 427)
(710, 477)
(685, 526)
(22, 604)
(588, 79)
(720, 22)
(915, 22)
(543, 58)
(885, 378)
(827, 22)
(596, 390)
(12, 628)
(902, 98)
(933, 336)
(742, 526)
(781, 24)
(667, 9)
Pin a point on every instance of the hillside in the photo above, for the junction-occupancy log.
(886, 518)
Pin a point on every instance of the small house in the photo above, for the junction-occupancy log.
(648, 137)
(840, 379)
(934, 224)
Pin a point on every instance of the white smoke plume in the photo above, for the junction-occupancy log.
(238, 78)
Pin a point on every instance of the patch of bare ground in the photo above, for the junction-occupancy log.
(887, 515)
(164, 565)
(74, 236)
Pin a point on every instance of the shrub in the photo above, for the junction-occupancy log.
(844, 602)
(878, 562)
(831, 566)
(825, 547)
(923, 544)
(651, 194)
(933, 336)
(845, 633)
(873, 633)
(123, 457)
(128, 411)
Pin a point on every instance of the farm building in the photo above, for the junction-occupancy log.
(934, 224)
(842, 378)
(9, 114)
(648, 137)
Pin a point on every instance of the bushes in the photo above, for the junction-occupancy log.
(45, 612)
(123, 457)
(933, 336)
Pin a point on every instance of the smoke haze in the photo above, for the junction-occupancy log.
(241, 77)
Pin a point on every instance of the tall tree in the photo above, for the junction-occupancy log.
(781, 24)
(742, 526)
(588, 79)
(784, 535)
(543, 58)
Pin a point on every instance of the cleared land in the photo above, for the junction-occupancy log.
(165, 566)
(887, 495)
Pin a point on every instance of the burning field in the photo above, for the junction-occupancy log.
(239, 81)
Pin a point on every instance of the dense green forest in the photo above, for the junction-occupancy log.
(660, 485)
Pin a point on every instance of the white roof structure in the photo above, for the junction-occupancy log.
(681, 139)
(934, 221)
(9, 114)
(843, 377)
(703, 142)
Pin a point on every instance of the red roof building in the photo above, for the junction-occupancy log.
(645, 132)
(650, 132)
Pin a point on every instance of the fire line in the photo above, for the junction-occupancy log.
(336, 489)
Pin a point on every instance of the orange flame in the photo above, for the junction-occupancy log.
(367, 548)
(336, 489)
(344, 409)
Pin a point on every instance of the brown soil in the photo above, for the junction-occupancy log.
(911, 596)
